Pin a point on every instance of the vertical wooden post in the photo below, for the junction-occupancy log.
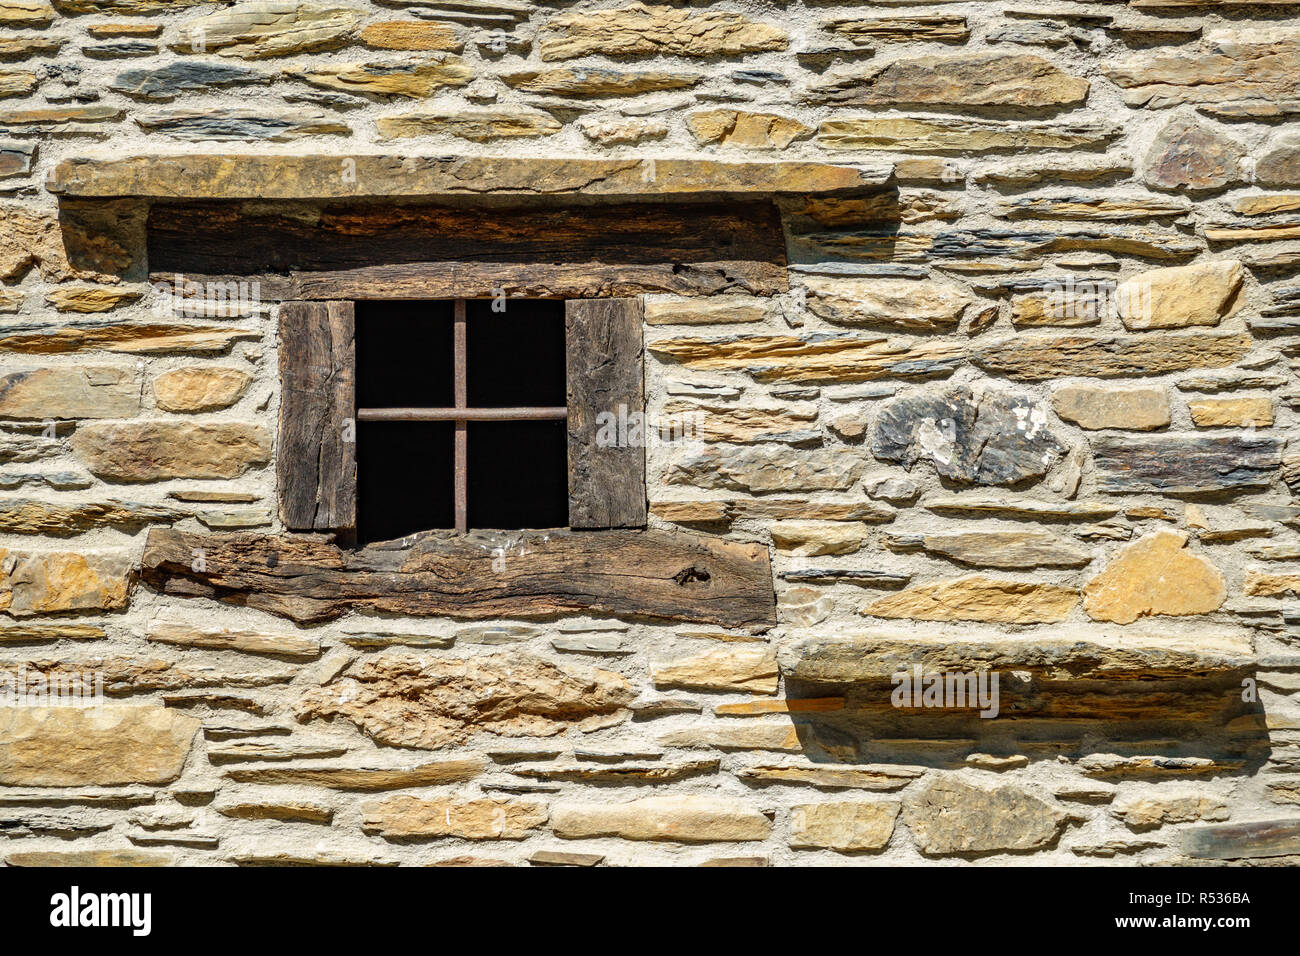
(461, 384)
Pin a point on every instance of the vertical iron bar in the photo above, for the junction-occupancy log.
(461, 384)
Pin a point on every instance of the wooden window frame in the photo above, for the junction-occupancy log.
(316, 458)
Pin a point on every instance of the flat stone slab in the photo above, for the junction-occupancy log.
(333, 176)
(1075, 654)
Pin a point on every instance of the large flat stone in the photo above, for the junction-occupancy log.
(762, 469)
(1180, 296)
(1260, 64)
(83, 391)
(1100, 407)
(996, 549)
(955, 135)
(1035, 358)
(103, 746)
(846, 826)
(1184, 464)
(427, 703)
(155, 451)
(316, 176)
(678, 819)
(1244, 841)
(900, 303)
(1154, 575)
(970, 80)
(951, 816)
(405, 817)
(1084, 652)
(640, 30)
(269, 29)
(50, 582)
(978, 598)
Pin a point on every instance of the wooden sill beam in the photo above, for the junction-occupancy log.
(334, 176)
(637, 574)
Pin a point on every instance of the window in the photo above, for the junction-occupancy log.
(407, 416)
(461, 413)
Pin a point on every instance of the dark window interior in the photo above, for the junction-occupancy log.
(517, 471)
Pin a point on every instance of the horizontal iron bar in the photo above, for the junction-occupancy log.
(461, 414)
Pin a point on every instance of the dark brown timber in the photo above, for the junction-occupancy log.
(654, 574)
(317, 470)
(606, 396)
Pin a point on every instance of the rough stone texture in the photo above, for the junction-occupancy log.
(752, 130)
(641, 30)
(951, 816)
(1179, 296)
(763, 469)
(102, 747)
(994, 438)
(683, 819)
(260, 30)
(889, 302)
(1154, 575)
(849, 826)
(734, 669)
(405, 701)
(1149, 811)
(1019, 80)
(154, 451)
(1184, 464)
(53, 581)
(412, 80)
(87, 391)
(1231, 412)
(1191, 155)
(405, 816)
(996, 549)
(200, 389)
(977, 598)
(1099, 407)
(1257, 64)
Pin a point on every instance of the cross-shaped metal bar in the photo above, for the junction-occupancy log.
(462, 415)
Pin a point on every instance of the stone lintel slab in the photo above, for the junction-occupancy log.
(332, 176)
(1059, 655)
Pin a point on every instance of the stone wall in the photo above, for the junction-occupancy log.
(1024, 413)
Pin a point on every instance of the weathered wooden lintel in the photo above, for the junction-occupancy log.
(334, 176)
(652, 574)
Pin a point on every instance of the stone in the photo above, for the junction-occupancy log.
(288, 811)
(90, 858)
(1243, 841)
(268, 29)
(621, 132)
(1154, 575)
(752, 670)
(17, 83)
(130, 338)
(951, 816)
(847, 826)
(762, 469)
(367, 779)
(944, 28)
(90, 298)
(1187, 154)
(996, 549)
(243, 640)
(757, 734)
(592, 82)
(1100, 407)
(50, 582)
(411, 35)
(812, 538)
(977, 598)
(742, 424)
(33, 633)
(428, 703)
(233, 124)
(184, 76)
(25, 13)
(69, 392)
(833, 776)
(316, 177)
(200, 388)
(1184, 464)
(814, 358)
(1033, 171)
(1094, 208)
(993, 438)
(721, 309)
(640, 30)
(155, 451)
(1231, 412)
(1256, 65)
(901, 303)
(677, 819)
(105, 746)
(1280, 164)
(415, 80)
(1148, 811)
(478, 126)
(1180, 296)
(744, 129)
(1034, 358)
(954, 135)
(1016, 80)
(15, 159)
(404, 817)
(59, 519)
(1084, 653)
(622, 772)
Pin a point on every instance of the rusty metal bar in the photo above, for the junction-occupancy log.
(461, 392)
(520, 414)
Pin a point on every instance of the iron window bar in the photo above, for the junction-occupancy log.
(461, 414)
